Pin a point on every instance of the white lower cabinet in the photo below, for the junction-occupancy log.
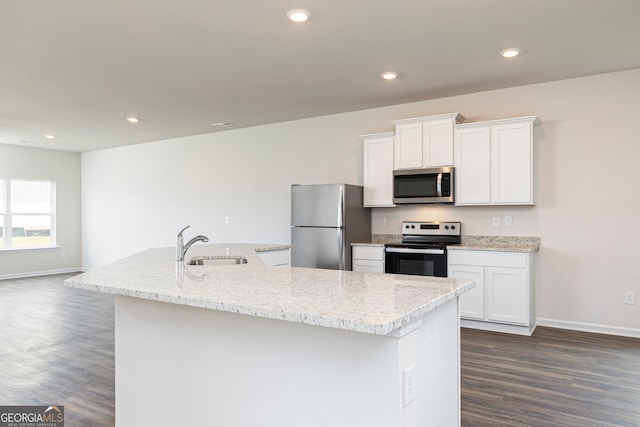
(277, 258)
(507, 295)
(472, 302)
(368, 259)
(504, 297)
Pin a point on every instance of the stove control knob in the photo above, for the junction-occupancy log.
(453, 227)
(446, 227)
(413, 226)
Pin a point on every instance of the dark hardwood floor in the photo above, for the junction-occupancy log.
(57, 347)
(553, 378)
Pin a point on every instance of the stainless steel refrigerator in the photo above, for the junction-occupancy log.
(325, 220)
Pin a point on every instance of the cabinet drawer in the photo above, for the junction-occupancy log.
(489, 259)
(368, 266)
(279, 257)
(375, 253)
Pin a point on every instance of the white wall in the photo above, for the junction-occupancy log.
(139, 196)
(64, 168)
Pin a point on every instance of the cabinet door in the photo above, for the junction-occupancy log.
(437, 143)
(512, 163)
(473, 163)
(471, 302)
(378, 171)
(280, 257)
(368, 266)
(374, 253)
(408, 146)
(507, 295)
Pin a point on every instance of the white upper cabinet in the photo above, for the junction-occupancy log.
(408, 146)
(512, 154)
(495, 162)
(378, 170)
(473, 165)
(425, 142)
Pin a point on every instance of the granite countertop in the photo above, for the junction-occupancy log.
(498, 244)
(472, 243)
(361, 302)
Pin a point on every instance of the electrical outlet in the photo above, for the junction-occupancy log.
(383, 221)
(496, 221)
(227, 220)
(630, 297)
(409, 385)
(508, 220)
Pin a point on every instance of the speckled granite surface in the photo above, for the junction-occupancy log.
(386, 238)
(498, 244)
(472, 243)
(361, 302)
(264, 248)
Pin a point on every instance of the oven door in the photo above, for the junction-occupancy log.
(420, 262)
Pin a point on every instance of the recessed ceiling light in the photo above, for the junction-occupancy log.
(133, 119)
(222, 124)
(389, 75)
(49, 136)
(298, 15)
(510, 53)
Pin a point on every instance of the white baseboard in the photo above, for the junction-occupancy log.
(40, 273)
(590, 327)
(497, 327)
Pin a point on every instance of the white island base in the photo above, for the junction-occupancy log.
(184, 366)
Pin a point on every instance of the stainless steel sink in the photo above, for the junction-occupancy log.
(218, 260)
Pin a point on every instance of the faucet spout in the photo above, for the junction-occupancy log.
(182, 248)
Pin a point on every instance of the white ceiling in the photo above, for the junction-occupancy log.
(76, 69)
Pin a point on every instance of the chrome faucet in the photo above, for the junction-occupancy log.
(181, 248)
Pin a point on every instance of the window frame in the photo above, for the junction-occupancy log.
(7, 215)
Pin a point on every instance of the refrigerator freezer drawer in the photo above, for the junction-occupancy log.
(315, 247)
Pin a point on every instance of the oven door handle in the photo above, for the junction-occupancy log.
(415, 251)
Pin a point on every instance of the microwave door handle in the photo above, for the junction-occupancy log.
(439, 185)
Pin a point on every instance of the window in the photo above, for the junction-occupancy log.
(27, 214)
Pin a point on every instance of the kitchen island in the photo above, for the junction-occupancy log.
(251, 344)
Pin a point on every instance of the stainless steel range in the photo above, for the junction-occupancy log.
(423, 250)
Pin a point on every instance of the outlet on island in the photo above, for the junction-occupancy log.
(630, 297)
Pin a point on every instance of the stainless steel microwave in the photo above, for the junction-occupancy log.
(423, 186)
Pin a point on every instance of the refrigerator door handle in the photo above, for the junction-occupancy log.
(341, 243)
(341, 207)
